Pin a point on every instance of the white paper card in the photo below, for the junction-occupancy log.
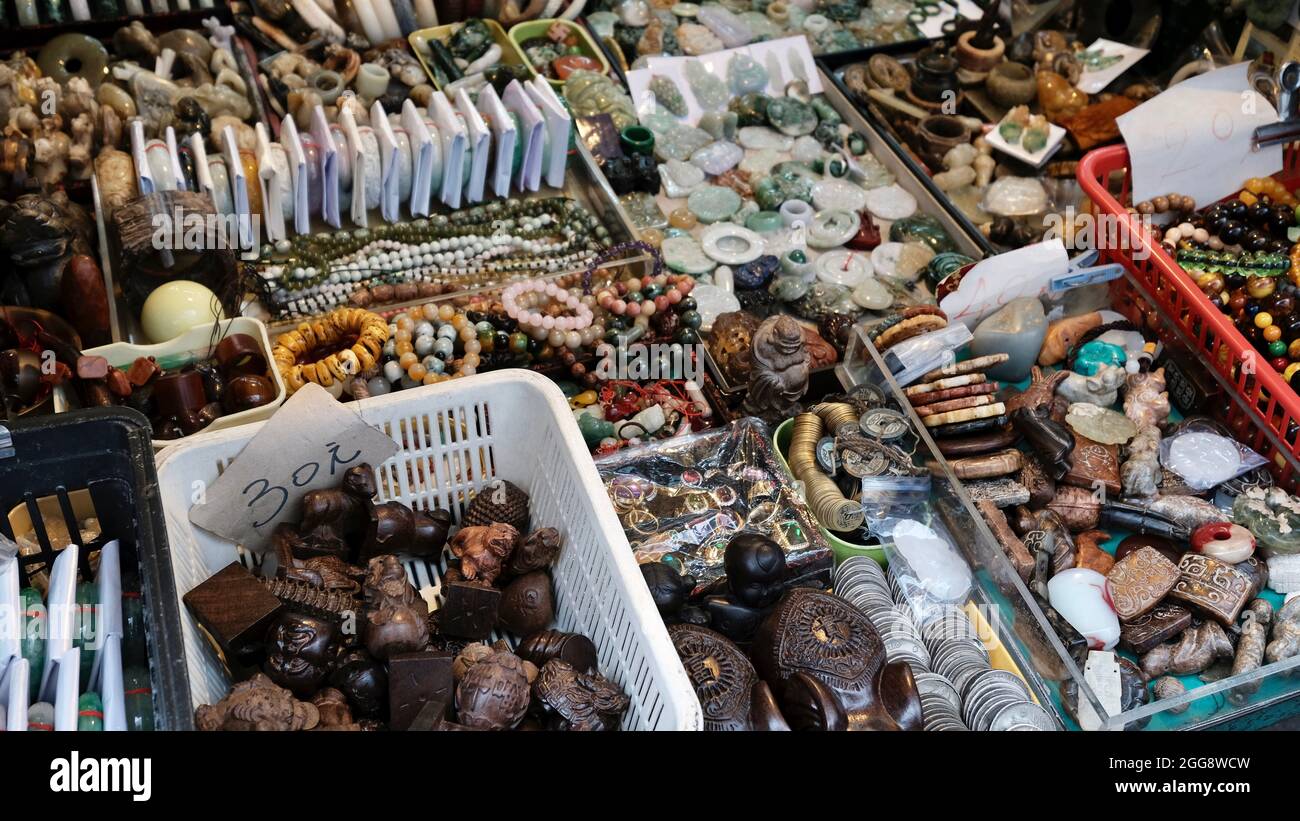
(421, 158)
(297, 174)
(272, 188)
(1195, 138)
(389, 192)
(1092, 82)
(479, 142)
(249, 233)
(15, 678)
(60, 601)
(143, 175)
(108, 613)
(452, 132)
(1055, 135)
(265, 483)
(530, 118)
(11, 611)
(329, 167)
(174, 156)
(199, 152)
(111, 689)
(356, 156)
(559, 126)
(997, 280)
(504, 136)
(67, 691)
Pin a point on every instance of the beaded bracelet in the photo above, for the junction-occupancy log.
(525, 301)
(370, 331)
(1178, 203)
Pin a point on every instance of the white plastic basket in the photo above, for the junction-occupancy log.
(453, 438)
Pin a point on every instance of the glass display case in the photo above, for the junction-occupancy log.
(1249, 700)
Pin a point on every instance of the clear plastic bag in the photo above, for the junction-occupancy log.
(687, 496)
(927, 573)
(1204, 460)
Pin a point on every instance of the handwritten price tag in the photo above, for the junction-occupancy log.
(307, 445)
(995, 281)
(1195, 138)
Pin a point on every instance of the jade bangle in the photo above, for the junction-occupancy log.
(435, 175)
(280, 170)
(220, 186)
(373, 170)
(637, 139)
(342, 160)
(371, 81)
(315, 189)
(160, 165)
(328, 84)
(403, 164)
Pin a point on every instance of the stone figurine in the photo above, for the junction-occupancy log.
(257, 704)
(779, 374)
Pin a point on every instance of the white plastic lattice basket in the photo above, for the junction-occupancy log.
(454, 438)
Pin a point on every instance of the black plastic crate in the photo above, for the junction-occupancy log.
(108, 453)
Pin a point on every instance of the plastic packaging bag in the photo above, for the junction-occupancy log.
(688, 496)
(1203, 459)
(927, 572)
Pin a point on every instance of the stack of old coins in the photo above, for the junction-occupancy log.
(824, 497)
(956, 403)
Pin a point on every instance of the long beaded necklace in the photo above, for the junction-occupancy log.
(494, 242)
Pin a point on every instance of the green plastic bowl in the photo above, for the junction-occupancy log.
(839, 548)
(521, 32)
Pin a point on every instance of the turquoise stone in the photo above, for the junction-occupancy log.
(764, 222)
(593, 429)
(1097, 353)
(745, 74)
(668, 95)
(922, 228)
(771, 191)
(789, 116)
(713, 203)
(710, 92)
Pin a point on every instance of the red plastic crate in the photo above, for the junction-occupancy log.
(1265, 393)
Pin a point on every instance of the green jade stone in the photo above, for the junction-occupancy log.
(1035, 140)
(710, 92)
(713, 203)
(857, 144)
(685, 256)
(750, 108)
(792, 117)
(771, 191)
(764, 222)
(825, 111)
(680, 143)
(922, 228)
(745, 74)
(84, 630)
(1010, 131)
(1096, 353)
(788, 288)
(137, 699)
(593, 429)
(32, 642)
(668, 95)
(90, 713)
(721, 125)
(1274, 520)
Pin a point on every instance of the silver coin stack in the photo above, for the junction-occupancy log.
(959, 689)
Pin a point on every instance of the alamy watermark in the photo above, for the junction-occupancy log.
(655, 361)
(184, 230)
(1098, 232)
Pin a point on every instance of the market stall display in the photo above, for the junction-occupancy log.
(878, 442)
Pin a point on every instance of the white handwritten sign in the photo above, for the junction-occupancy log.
(995, 281)
(1195, 138)
(307, 445)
